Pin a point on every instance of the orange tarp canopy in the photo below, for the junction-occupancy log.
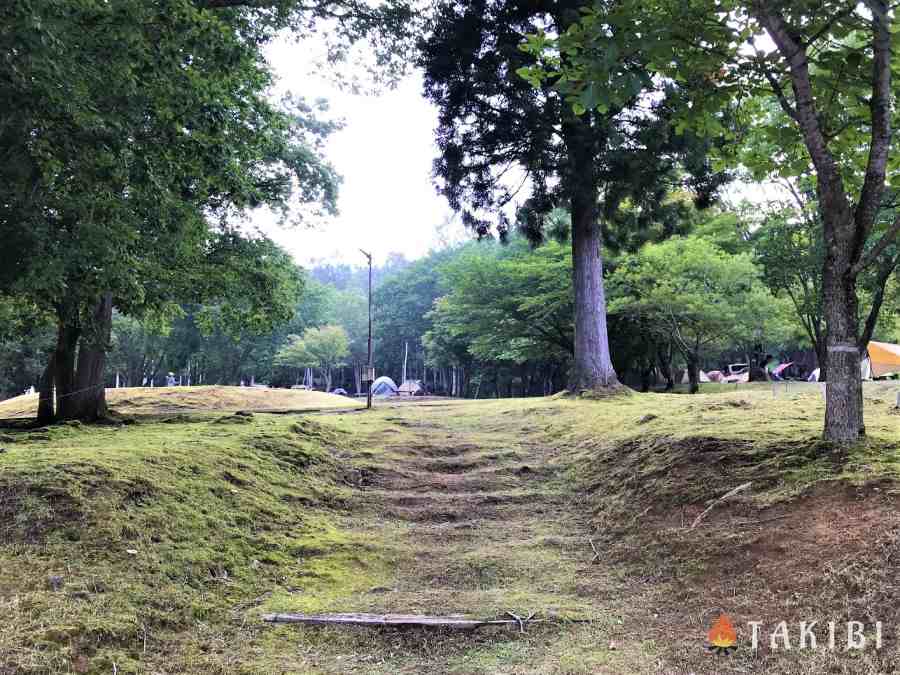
(884, 357)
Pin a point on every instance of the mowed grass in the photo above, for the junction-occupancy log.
(157, 400)
(156, 547)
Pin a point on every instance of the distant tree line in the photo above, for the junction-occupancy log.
(487, 319)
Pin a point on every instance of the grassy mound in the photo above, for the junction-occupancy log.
(160, 400)
(147, 546)
(811, 536)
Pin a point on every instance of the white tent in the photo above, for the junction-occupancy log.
(702, 377)
(412, 388)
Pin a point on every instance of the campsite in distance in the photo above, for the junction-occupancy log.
(490, 338)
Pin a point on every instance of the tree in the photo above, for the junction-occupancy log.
(323, 348)
(25, 336)
(137, 350)
(350, 311)
(402, 302)
(701, 296)
(506, 312)
(788, 246)
(513, 304)
(147, 127)
(497, 134)
(830, 74)
(136, 131)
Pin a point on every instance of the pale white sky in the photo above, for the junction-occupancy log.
(384, 153)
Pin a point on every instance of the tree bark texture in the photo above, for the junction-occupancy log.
(593, 368)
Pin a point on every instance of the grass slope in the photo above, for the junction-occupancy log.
(489, 507)
(173, 538)
(160, 400)
(143, 546)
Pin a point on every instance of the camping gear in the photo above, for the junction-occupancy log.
(884, 359)
(384, 386)
(701, 377)
(412, 388)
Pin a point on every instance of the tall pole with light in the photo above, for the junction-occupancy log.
(370, 369)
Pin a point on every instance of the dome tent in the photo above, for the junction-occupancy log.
(384, 386)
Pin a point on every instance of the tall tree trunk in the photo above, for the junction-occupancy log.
(664, 357)
(593, 368)
(844, 402)
(693, 368)
(845, 229)
(64, 364)
(90, 395)
(46, 411)
(821, 350)
(646, 375)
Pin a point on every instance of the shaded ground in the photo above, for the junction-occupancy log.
(450, 507)
(493, 512)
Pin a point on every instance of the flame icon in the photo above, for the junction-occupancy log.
(722, 636)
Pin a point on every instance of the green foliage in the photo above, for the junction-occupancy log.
(506, 304)
(26, 335)
(318, 347)
(790, 250)
(349, 310)
(138, 150)
(325, 347)
(688, 289)
(713, 50)
(402, 304)
(789, 246)
(137, 134)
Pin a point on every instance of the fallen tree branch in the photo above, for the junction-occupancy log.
(522, 622)
(418, 620)
(730, 493)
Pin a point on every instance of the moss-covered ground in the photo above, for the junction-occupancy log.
(156, 547)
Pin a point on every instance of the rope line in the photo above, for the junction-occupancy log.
(79, 391)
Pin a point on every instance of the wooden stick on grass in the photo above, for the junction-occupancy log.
(730, 493)
(418, 620)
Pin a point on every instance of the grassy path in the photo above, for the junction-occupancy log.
(485, 507)
(478, 520)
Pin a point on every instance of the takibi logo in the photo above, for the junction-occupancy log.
(722, 636)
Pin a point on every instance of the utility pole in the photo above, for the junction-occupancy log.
(370, 369)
